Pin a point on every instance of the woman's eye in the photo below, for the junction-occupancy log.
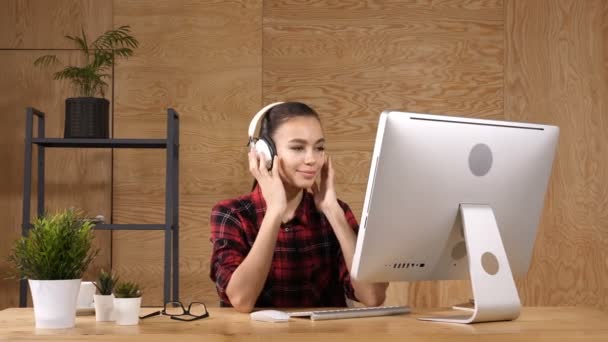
(321, 148)
(297, 148)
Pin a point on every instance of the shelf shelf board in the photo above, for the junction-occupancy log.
(128, 226)
(105, 226)
(101, 143)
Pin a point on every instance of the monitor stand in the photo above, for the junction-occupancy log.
(494, 292)
(467, 306)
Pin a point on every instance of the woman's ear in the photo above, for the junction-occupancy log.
(278, 167)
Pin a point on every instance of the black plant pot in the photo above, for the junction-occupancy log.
(87, 117)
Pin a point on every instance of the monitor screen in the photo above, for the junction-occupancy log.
(424, 168)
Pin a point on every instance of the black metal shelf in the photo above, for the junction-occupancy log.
(101, 143)
(171, 225)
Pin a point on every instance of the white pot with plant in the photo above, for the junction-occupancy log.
(53, 257)
(127, 302)
(104, 301)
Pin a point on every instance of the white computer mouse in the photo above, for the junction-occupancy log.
(270, 316)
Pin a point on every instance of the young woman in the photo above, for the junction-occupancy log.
(290, 242)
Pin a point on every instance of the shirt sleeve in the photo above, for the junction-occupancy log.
(349, 291)
(229, 248)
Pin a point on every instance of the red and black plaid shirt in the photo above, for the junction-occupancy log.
(308, 268)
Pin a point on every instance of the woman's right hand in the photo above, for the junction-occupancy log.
(270, 182)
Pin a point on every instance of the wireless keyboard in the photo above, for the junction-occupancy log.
(319, 315)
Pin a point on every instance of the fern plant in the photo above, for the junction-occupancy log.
(100, 56)
(127, 289)
(106, 283)
(57, 247)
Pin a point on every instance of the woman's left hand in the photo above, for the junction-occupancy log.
(324, 191)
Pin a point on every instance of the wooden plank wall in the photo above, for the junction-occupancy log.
(557, 71)
(204, 59)
(217, 62)
(353, 59)
(80, 178)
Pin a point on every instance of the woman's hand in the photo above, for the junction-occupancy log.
(324, 190)
(270, 182)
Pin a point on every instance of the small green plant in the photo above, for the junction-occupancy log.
(100, 56)
(106, 283)
(57, 247)
(127, 289)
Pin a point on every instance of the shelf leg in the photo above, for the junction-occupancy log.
(27, 193)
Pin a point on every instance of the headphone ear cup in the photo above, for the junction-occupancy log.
(266, 151)
(272, 148)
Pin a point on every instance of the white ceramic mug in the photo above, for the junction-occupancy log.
(85, 296)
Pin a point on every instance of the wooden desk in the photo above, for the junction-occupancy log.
(225, 324)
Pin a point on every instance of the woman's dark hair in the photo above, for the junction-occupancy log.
(278, 115)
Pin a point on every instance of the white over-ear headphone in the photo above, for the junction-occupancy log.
(263, 145)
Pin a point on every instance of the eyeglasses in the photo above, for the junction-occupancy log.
(196, 311)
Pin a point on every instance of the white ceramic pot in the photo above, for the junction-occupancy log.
(104, 308)
(55, 302)
(126, 310)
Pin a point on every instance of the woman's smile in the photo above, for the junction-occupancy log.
(307, 174)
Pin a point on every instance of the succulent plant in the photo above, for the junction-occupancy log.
(127, 289)
(106, 283)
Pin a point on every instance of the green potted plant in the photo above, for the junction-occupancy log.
(53, 257)
(127, 302)
(87, 116)
(104, 301)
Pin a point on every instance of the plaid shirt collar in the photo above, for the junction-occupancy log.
(303, 211)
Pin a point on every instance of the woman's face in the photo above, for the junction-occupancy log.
(301, 146)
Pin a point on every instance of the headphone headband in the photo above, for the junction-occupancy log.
(256, 118)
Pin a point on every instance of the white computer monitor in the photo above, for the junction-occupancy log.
(444, 190)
